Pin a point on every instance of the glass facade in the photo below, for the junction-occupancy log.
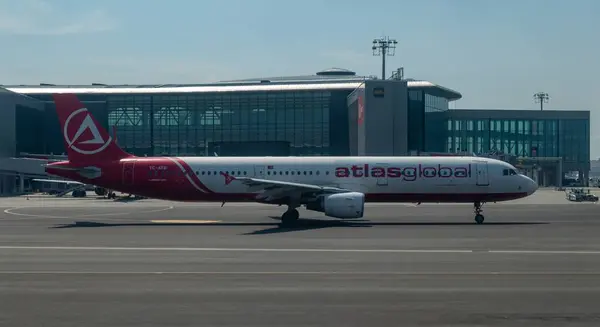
(29, 130)
(574, 140)
(426, 119)
(297, 123)
(567, 138)
(435, 119)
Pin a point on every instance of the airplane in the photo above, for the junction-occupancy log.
(339, 187)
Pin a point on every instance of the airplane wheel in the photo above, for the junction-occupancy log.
(479, 219)
(289, 217)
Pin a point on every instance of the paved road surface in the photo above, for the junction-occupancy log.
(123, 265)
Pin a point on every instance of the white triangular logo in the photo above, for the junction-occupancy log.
(88, 123)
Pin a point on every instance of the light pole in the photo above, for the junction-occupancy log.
(541, 97)
(384, 47)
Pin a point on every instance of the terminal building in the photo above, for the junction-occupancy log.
(332, 113)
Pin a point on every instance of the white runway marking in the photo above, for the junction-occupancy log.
(180, 249)
(11, 212)
(400, 273)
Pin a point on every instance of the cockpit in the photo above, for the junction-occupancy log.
(515, 178)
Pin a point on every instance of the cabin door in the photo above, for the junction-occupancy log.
(481, 169)
(128, 172)
(382, 179)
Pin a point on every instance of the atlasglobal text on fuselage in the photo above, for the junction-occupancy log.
(336, 186)
(405, 173)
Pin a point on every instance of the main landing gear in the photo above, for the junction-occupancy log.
(478, 216)
(289, 217)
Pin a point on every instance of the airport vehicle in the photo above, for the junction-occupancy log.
(335, 186)
(581, 195)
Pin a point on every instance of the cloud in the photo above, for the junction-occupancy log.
(38, 17)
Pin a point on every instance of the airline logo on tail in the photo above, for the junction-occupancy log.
(82, 134)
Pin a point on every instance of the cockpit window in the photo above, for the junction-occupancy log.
(509, 172)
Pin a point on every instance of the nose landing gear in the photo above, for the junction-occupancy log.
(478, 213)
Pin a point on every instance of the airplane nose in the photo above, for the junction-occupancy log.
(531, 186)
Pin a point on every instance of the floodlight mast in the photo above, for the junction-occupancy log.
(541, 98)
(384, 47)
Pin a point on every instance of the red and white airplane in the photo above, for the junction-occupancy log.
(336, 186)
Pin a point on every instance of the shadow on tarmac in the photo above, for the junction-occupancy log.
(301, 225)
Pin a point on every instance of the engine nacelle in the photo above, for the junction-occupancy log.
(340, 205)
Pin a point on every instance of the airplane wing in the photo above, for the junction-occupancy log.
(73, 185)
(273, 190)
(57, 181)
(87, 172)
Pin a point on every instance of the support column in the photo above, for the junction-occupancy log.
(21, 183)
(559, 173)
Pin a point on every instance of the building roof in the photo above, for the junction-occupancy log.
(22, 98)
(330, 79)
(517, 114)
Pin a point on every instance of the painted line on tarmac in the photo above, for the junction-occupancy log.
(27, 215)
(399, 273)
(182, 221)
(192, 249)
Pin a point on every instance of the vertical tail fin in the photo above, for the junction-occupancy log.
(85, 139)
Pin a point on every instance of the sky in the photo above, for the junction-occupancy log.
(497, 54)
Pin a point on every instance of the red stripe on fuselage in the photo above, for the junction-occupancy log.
(190, 172)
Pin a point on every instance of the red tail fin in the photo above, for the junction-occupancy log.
(85, 139)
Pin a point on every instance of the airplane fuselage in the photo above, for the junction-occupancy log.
(336, 186)
(381, 179)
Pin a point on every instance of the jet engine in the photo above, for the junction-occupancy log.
(340, 205)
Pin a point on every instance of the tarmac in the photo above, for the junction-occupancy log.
(98, 262)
